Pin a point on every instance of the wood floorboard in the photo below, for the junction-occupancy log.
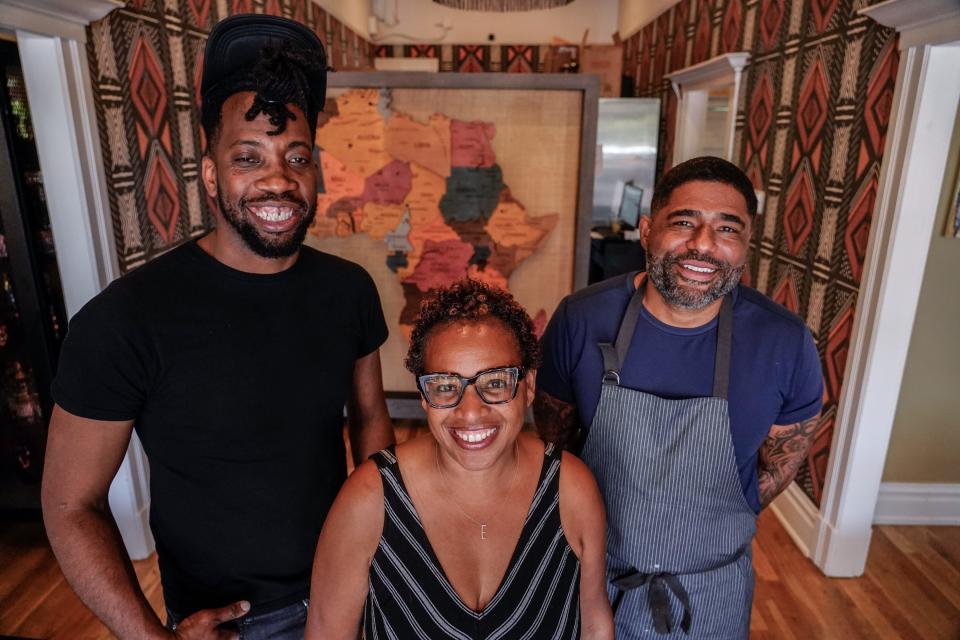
(910, 589)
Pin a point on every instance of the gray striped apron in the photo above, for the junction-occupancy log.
(679, 526)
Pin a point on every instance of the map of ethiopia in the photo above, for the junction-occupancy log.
(422, 200)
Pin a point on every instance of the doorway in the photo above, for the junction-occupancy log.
(32, 311)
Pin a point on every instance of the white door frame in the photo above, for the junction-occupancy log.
(691, 84)
(922, 117)
(51, 38)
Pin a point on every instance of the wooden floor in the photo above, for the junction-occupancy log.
(911, 588)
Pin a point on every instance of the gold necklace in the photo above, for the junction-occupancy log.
(516, 475)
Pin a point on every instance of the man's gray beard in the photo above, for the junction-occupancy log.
(661, 273)
(256, 242)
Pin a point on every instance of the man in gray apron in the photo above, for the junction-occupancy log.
(702, 397)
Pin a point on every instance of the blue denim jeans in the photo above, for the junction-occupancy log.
(285, 623)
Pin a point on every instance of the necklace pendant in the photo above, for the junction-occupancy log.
(483, 532)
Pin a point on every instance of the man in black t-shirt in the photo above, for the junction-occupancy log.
(233, 357)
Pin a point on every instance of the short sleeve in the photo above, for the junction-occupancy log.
(555, 375)
(104, 367)
(804, 399)
(374, 327)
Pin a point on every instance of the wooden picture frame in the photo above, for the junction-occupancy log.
(359, 137)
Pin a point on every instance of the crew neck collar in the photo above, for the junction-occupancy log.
(669, 328)
(197, 252)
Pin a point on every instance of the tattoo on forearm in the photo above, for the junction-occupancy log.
(556, 421)
(781, 455)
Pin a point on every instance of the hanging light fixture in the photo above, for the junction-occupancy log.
(502, 5)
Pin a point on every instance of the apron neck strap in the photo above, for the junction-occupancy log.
(721, 367)
(615, 354)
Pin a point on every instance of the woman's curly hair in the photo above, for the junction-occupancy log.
(472, 301)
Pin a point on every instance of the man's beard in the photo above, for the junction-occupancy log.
(661, 271)
(266, 246)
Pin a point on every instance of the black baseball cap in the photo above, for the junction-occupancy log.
(235, 43)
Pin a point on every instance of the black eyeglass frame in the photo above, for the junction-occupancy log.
(466, 382)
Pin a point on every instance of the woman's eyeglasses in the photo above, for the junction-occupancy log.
(494, 386)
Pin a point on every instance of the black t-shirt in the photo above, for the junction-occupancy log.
(237, 383)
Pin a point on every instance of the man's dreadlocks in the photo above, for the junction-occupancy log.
(278, 78)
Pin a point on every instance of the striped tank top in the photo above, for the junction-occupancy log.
(411, 597)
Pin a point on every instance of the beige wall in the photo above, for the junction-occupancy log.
(417, 19)
(925, 444)
(633, 14)
(353, 13)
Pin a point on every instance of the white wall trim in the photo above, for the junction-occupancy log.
(918, 503)
(691, 85)
(918, 21)
(61, 106)
(716, 71)
(799, 516)
(914, 162)
(63, 18)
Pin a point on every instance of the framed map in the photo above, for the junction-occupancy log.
(430, 178)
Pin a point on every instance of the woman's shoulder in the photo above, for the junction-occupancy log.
(415, 452)
(364, 486)
(576, 478)
(581, 505)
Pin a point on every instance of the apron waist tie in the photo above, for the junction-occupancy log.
(658, 597)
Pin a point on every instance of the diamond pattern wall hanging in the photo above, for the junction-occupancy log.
(732, 25)
(822, 11)
(858, 226)
(147, 86)
(660, 49)
(520, 58)
(812, 107)
(771, 20)
(799, 210)
(701, 38)
(786, 293)
(879, 99)
(471, 58)
(678, 54)
(199, 13)
(835, 354)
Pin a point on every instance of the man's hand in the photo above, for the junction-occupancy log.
(781, 455)
(557, 421)
(204, 625)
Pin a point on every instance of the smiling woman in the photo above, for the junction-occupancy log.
(499, 534)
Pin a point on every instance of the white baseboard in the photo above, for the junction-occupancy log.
(918, 503)
(799, 517)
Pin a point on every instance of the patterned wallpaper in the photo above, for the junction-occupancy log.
(473, 58)
(810, 129)
(145, 62)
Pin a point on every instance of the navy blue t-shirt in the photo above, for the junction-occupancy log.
(775, 375)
